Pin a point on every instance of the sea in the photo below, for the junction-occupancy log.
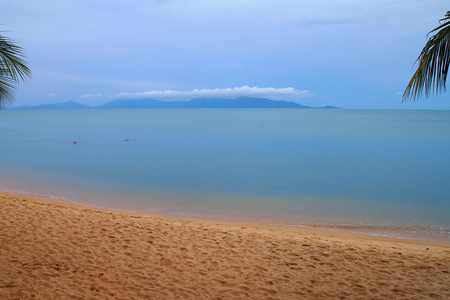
(378, 172)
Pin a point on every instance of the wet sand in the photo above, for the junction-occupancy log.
(56, 250)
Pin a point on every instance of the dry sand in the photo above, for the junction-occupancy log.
(53, 250)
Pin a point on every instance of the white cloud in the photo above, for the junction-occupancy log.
(92, 95)
(52, 95)
(288, 93)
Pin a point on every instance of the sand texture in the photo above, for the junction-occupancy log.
(53, 250)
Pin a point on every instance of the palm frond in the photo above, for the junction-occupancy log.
(434, 61)
(13, 69)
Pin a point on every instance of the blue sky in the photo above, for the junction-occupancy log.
(348, 53)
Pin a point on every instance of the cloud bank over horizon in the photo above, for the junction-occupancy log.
(287, 93)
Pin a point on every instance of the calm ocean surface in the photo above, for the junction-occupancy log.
(373, 171)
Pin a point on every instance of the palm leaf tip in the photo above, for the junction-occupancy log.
(431, 74)
(13, 69)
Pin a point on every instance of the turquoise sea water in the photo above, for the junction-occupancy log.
(373, 171)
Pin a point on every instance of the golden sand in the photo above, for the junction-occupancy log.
(54, 250)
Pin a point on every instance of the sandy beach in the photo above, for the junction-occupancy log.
(56, 250)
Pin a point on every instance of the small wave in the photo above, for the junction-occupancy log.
(404, 232)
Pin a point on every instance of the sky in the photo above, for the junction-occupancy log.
(349, 53)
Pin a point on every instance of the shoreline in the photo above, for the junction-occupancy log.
(53, 249)
(396, 232)
(321, 230)
(324, 230)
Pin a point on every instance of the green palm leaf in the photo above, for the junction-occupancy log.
(434, 61)
(13, 68)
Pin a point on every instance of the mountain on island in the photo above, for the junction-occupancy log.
(242, 102)
(65, 105)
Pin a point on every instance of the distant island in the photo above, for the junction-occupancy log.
(242, 102)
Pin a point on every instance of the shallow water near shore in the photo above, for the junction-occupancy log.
(370, 171)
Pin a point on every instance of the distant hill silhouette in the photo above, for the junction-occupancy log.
(65, 105)
(242, 102)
